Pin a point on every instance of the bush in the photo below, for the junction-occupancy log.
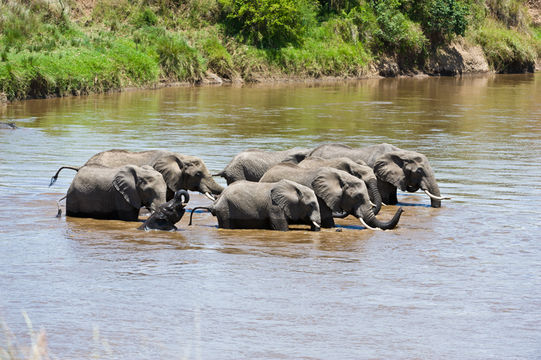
(178, 60)
(218, 59)
(146, 18)
(441, 20)
(270, 23)
(397, 33)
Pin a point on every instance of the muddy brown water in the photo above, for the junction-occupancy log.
(459, 282)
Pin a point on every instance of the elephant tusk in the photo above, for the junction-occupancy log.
(366, 225)
(184, 204)
(372, 204)
(316, 225)
(207, 194)
(432, 196)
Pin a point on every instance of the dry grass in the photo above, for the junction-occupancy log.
(10, 349)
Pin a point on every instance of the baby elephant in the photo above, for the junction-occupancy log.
(168, 214)
(250, 205)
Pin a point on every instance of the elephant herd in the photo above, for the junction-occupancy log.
(266, 189)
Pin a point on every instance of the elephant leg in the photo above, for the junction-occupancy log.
(388, 193)
(279, 223)
(224, 223)
(327, 220)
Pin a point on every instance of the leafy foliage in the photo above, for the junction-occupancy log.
(270, 23)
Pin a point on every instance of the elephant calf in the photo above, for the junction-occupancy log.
(251, 205)
(168, 214)
(114, 193)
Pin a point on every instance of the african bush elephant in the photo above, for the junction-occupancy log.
(394, 168)
(114, 193)
(179, 171)
(251, 164)
(168, 214)
(360, 170)
(252, 205)
(336, 190)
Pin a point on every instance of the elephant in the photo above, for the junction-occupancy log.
(252, 205)
(179, 171)
(168, 214)
(336, 191)
(358, 169)
(114, 193)
(394, 168)
(251, 164)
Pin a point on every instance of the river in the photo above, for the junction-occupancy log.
(459, 282)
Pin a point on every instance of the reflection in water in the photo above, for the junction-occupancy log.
(456, 282)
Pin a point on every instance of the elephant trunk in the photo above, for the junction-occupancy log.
(182, 197)
(209, 185)
(373, 222)
(431, 186)
(375, 196)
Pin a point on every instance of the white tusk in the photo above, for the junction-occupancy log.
(371, 203)
(366, 225)
(183, 204)
(207, 194)
(316, 225)
(436, 197)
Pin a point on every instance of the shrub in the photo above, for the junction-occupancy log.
(440, 19)
(218, 59)
(146, 18)
(270, 23)
(397, 33)
(178, 60)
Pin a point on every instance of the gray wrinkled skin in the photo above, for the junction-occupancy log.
(253, 163)
(179, 171)
(336, 190)
(393, 167)
(114, 193)
(252, 205)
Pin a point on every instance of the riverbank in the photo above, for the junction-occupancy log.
(56, 48)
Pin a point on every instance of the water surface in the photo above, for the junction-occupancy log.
(459, 282)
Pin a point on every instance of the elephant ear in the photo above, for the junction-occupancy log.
(171, 168)
(125, 182)
(286, 195)
(328, 185)
(388, 168)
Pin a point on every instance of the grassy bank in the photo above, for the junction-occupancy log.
(61, 47)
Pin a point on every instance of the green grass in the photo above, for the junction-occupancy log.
(48, 51)
(506, 49)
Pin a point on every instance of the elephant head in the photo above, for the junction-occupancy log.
(409, 171)
(141, 186)
(186, 172)
(356, 168)
(298, 202)
(343, 192)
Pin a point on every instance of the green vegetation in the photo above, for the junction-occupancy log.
(62, 47)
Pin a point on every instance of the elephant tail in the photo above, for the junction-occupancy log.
(195, 208)
(221, 173)
(55, 177)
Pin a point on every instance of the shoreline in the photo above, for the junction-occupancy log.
(214, 80)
